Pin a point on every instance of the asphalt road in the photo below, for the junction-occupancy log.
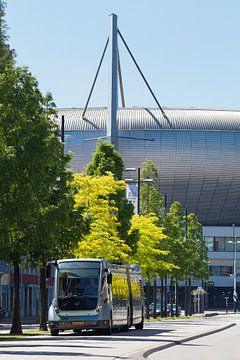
(223, 345)
(121, 345)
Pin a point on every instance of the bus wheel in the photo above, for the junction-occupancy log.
(126, 327)
(108, 331)
(77, 331)
(54, 332)
(140, 325)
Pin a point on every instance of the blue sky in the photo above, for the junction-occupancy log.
(189, 50)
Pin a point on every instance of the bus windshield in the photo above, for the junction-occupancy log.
(78, 284)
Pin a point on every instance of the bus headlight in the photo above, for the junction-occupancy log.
(99, 308)
(56, 309)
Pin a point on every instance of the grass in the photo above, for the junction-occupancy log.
(26, 333)
(172, 318)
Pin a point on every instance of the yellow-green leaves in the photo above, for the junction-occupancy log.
(94, 193)
(150, 254)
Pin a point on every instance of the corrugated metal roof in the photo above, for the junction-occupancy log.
(152, 119)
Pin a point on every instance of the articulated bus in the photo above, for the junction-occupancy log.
(94, 294)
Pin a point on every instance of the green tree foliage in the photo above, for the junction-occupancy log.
(187, 249)
(58, 226)
(106, 159)
(151, 200)
(6, 55)
(33, 180)
(197, 254)
(175, 231)
(103, 241)
(150, 254)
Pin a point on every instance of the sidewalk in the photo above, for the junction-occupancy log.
(34, 321)
(182, 331)
(27, 323)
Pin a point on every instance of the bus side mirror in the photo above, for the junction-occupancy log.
(48, 270)
(109, 278)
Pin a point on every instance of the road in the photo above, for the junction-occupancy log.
(121, 345)
(220, 346)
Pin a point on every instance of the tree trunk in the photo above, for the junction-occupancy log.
(148, 299)
(162, 290)
(189, 297)
(16, 328)
(185, 299)
(43, 300)
(177, 299)
(155, 298)
(165, 296)
(171, 297)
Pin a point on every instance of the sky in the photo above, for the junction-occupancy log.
(188, 50)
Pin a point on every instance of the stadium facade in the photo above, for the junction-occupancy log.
(197, 154)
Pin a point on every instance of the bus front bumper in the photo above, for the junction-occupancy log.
(71, 325)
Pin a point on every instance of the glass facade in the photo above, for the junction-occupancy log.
(221, 243)
(221, 270)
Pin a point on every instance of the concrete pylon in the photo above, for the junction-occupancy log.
(112, 128)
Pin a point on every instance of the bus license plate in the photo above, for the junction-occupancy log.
(78, 323)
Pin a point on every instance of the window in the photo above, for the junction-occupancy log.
(219, 244)
(238, 243)
(209, 242)
(221, 270)
(229, 243)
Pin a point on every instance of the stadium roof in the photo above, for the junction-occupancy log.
(152, 119)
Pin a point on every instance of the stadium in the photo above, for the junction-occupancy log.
(197, 154)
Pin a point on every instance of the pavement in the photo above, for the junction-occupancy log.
(156, 336)
(185, 331)
(27, 323)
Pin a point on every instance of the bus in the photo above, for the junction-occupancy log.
(95, 294)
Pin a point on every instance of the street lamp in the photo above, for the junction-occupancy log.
(138, 186)
(138, 182)
(234, 242)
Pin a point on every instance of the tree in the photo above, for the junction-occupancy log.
(31, 158)
(37, 220)
(58, 227)
(196, 262)
(175, 229)
(95, 195)
(151, 200)
(187, 248)
(150, 254)
(6, 55)
(106, 159)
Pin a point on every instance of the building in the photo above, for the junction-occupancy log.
(197, 154)
(29, 291)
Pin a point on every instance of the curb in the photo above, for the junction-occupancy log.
(146, 353)
(211, 314)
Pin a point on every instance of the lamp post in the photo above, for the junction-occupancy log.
(235, 295)
(138, 185)
(185, 288)
(138, 182)
(234, 271)
(234, 242)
